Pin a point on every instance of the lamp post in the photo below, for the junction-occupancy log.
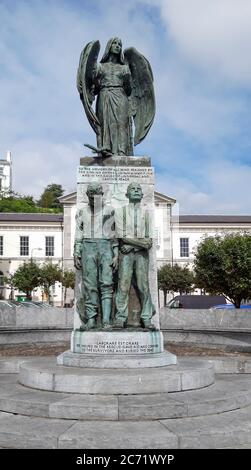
(33, 249)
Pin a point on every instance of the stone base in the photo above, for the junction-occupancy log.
(116, 361)
(186, 375)
(119, 343)
(225, 395)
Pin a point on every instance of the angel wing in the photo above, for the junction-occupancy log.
(85, 83)
(142, 93)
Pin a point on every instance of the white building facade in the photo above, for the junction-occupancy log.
(191, 229)
(30, 236)
(177, 236)
(44, 237)
(6, 175)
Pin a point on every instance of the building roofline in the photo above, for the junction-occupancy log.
(215, 219)
(30, 217)
(66, 197)
(164, 197)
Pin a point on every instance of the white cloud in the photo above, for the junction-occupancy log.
(201, 68)
(214, 35)
(224, 188)
(37, 164)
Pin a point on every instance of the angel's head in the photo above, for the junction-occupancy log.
(114, 46)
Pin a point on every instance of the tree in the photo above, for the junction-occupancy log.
(8, 280)
(68, 281)
(49, 274)
(175, 279)
(14, 202)
(50, 195)
(223, 266)
(27, 278)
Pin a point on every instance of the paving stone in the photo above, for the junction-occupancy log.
(227, 393)
(213, 431)
(8, 379)
(26, 401)
(9, 365)
(145, 407)
(118, 435)
(23, 432)
(88, 407)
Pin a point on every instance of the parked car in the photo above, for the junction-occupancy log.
(195, 301)
(229, 306)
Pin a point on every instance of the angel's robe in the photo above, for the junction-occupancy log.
(113, 108)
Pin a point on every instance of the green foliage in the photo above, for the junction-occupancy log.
(175, 279)
(30, 275)
(223, 266)
(49, 274)
(17, 203)
(26, 278)
(49, 197)
(8, 280)
(68, 281)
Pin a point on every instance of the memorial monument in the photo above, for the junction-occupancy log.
(117, 368)
(116, 282)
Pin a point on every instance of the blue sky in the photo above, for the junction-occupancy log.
(200, 142)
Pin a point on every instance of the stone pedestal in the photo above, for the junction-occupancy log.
(116, 349)
(132, 347)
(117, 342)
(115, 174)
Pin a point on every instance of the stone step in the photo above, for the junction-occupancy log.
(227, 393)
(10, 365)
(24, 432)
(222, 364)
(228, 430)
(45, 374)
(116, 361)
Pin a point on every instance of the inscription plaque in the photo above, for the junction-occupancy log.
(113, 174)
(147, 342)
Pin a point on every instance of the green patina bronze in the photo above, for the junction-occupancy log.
(134, 259)
(96, 255)
(123, 84)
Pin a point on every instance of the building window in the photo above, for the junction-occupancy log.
(1, 170)
(49, 246)
(184, 247)
(1, 279)
(1, 245)
(24, 246)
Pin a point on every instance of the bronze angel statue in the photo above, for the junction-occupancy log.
(123, 83)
